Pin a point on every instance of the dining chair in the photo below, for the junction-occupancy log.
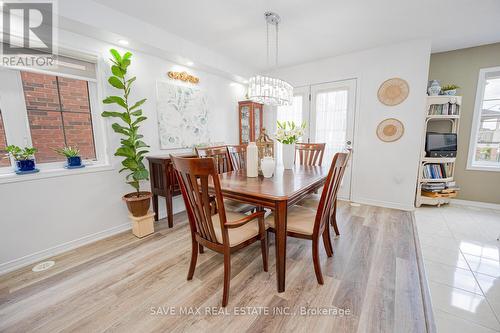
(307, 223)
(309, 153)
(220, 155)
(312, 202)
(224, 164)
(224, 232)
(237, 153)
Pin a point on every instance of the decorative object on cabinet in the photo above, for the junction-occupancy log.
(265, 146)
(393, 91)
(25, 160)
(449, 89)
(132, 148)
(182, 116)
(436, 185)
(434, 88)
(183, 76)
(390, 130)
(265, 89)
(250, 116)
(288, 134)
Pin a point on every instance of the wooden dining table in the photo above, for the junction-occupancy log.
(284, 189)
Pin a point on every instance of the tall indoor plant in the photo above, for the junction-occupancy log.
(288, 134)
(132, 147)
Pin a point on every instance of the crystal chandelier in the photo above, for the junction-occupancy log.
(269, 90)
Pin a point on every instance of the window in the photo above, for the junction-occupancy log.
(4, 161)
(58, 115)
(50, 109)
(484, 149)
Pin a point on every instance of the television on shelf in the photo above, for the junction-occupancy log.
(441, 144)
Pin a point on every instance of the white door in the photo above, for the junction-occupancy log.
(331, 120)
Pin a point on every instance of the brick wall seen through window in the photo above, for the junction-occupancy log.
(4, 160)
(58, 114)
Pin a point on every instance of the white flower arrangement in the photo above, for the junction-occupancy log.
(288, 132)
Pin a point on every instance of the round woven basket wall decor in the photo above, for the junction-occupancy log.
(390, 130)
(393, 91)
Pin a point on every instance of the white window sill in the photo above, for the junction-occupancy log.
(482, 168)
(12, 177)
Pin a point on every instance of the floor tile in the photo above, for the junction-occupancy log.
(483, 265)
(485, 250)
(444, 256)
(448, 323)
(452, 276)
(491, 288)
(429, 239)
(464, 304)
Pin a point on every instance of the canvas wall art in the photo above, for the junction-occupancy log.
(182, 115)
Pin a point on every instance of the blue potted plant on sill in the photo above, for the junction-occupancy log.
(73, 156)
(25, 160)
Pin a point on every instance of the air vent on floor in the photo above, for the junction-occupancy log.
(43, 266)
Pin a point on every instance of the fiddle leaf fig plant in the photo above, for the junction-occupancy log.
(130, 116)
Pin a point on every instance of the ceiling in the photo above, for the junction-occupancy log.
(314, 29)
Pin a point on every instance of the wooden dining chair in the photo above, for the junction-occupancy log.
(220, 155)
(306, 223)
(224, 232)
(309, 153)
(224, 164)
(238, 155)
(312, 202)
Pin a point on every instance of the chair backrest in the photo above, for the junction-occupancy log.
(238, 154)
(310, 153)
(194, 176)
(330, 190)
(220, 155)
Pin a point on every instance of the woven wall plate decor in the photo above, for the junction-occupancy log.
(393, 91)
(390, 130)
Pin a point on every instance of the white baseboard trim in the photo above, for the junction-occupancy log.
(58, 249)
(475, 204)
(385, 204)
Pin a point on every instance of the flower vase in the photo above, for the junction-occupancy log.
(434, 88)
(288, 155)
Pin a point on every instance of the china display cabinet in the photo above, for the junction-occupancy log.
(250, 116)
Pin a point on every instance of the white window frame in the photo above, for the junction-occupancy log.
(17, 129)
(476, 121)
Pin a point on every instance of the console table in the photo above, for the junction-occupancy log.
(164, 183)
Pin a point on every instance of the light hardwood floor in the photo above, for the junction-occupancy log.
(124, 284)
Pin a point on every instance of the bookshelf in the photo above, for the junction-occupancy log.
(441, 112)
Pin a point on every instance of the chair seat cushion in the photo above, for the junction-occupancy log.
(299, 220)
(236, 235)
(312, 201)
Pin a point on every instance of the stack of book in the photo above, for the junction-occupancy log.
(447, 109)
(436, 190)
(437, 170)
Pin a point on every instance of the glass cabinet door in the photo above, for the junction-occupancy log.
(245, 124)
(256, 122)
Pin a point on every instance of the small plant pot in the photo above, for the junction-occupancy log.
(452, 92)
(25, 165)
(74, 161)
(138, 205)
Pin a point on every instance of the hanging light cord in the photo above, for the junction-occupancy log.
(276, 59)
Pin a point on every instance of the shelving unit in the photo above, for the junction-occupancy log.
(454, 120)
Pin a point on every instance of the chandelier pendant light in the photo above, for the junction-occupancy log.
(265, 89)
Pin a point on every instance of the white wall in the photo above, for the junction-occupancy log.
(384, 173)
(46, 216)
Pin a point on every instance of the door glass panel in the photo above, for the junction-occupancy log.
(331, 121)
(256, 113)
(4, 159)
(245, 124)
(290, 113)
